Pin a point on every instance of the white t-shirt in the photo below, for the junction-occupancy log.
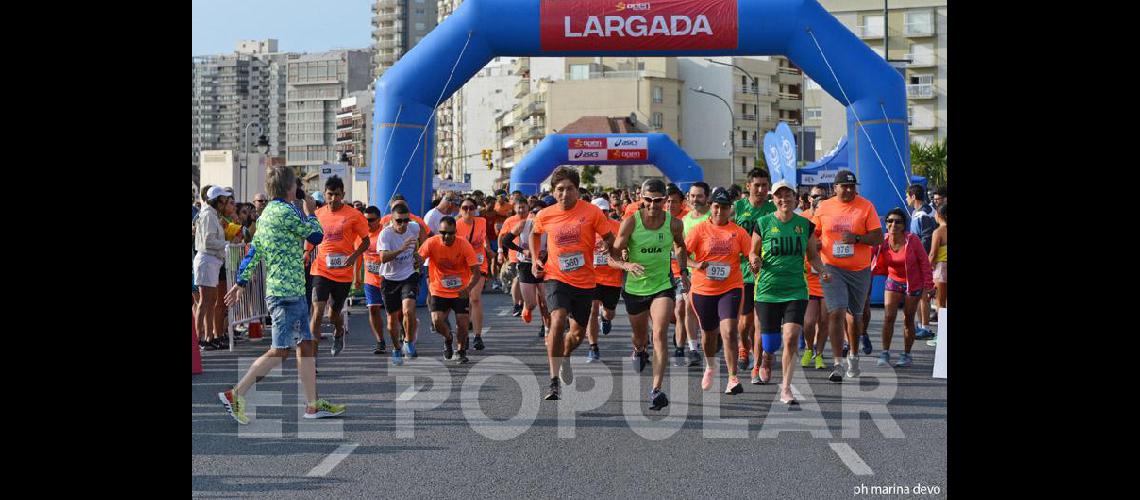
(432, 218)
(524, 239)
(400, 268)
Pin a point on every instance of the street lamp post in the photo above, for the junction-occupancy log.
(756, 86)
(731, 133)
(263, 147)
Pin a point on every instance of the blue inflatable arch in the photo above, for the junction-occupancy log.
(408, 93)
(596, 149)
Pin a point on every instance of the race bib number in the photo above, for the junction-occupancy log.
(842, 250)
(717, 271)
(601, 259)
(334, 260)
(452, 282)
(571, 261)
(479, 258)
(373, 267)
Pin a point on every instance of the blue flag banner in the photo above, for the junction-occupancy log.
(787, 152)
(773, 156)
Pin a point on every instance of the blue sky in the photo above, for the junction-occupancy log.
(298, 25)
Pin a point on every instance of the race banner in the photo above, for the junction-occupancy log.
(594, 149)
(599, 25)
(787, 142)
(628, 148)
(586, 149)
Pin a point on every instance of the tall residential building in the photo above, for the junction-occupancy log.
(397, 26)
(449, 128)
(231, 91)
(756, 106)
(913, 30)
(486, 95)
(316, 84)
(354, 134)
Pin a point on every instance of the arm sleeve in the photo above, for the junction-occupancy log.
(252, 257)
(816, 225)
(872, 223)
(426, 248)
(536, 226)
(601, 227)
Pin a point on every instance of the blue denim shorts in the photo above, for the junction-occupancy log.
(290, 320)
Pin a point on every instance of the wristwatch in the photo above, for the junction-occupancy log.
(858, 239)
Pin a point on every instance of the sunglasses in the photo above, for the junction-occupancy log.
(373, 220)
(261, 201)
(895, 221)
(653, 200)
(814, 196)
(467, 207)
(447, 233)
(402, 221)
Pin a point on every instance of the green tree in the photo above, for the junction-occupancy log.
(589, 175)
(929, 161)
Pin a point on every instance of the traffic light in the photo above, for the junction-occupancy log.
(487, 158)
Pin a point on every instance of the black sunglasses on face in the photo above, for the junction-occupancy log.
(447, 233)
(373, 220)
(467, 207)
(402, 221)
(895, 221)
(816, 196)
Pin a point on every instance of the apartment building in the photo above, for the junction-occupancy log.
(316, 85)
(397, 26)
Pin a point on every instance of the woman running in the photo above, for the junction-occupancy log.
(474, 230)
(531, 285)
(717, 245)
(903, 259)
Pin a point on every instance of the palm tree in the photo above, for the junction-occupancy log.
(929, 161)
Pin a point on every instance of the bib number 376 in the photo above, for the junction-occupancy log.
(842, 250)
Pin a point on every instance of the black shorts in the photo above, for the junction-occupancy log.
(395, 292)
(711, 309)
(574, 300)
(445, 304)
(773, 315)
(637, 304)
(324, 287)
(749, 297)
(525, 274)
(608, 295)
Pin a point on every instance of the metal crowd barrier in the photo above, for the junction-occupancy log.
(251, 307)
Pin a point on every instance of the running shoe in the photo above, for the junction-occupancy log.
(819, 362)
(592, 355)
(734, 386)
(380, 347)
(552, 394)
(462, 357)
(517, 310)
(478, 344)
(527, 315)
(923, 333)
(235, 405)
(706, 380)
(756, 376)
(904, 360)
(853, 366)
(866, 343)
(837, 373)
(324, 409)
(566, 372)
(657, 400)
(410, 349)
(805, 361)
(742, 362)
(765, 374)
(679, 356)
(607, 325)
(933, 342)
(210, 346)
(884, 359)
(397, 357)
(789, 401)
(694, 358)
(338, 345)
(447, 350)
(639, 360)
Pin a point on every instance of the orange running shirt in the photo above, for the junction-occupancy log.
(570, 241)
(509, 226)
(606, 275)
(372, 259)
(476, 235)
(833, 218)
(342, 229)
(630, 209)
(722, 245)
(423, 225)
(449, 270)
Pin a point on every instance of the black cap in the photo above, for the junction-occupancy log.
(721, 195)
(845, 177)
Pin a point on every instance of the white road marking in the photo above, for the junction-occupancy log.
(408, 394)
(330, 462)
(851, 459)
(506, 311)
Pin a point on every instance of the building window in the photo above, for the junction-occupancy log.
(658, 94)
(813, 113)
(873, 26)
(658, 120)
(922, 54)
(579, 71)
(918, 23)
(420, 26)
(922, 79)
(419, 12)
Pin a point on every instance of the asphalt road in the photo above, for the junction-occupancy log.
(482, 428)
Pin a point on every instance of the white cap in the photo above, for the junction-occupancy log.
(217, 191)
(782, 184)
(602, 203)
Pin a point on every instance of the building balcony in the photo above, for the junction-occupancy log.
(789, 78)
(789, 103)
(747, 118)
(522, 87)
(386, 15)
(535, 108)
(522, 65)
(535, 132)
(508, 144)
(926, 61)
(920, 91)
(747, 144)
(869, 32)
(387, 44)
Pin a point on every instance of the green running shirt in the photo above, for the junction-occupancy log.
(651, 248)
(783, 247)
(745, 216)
